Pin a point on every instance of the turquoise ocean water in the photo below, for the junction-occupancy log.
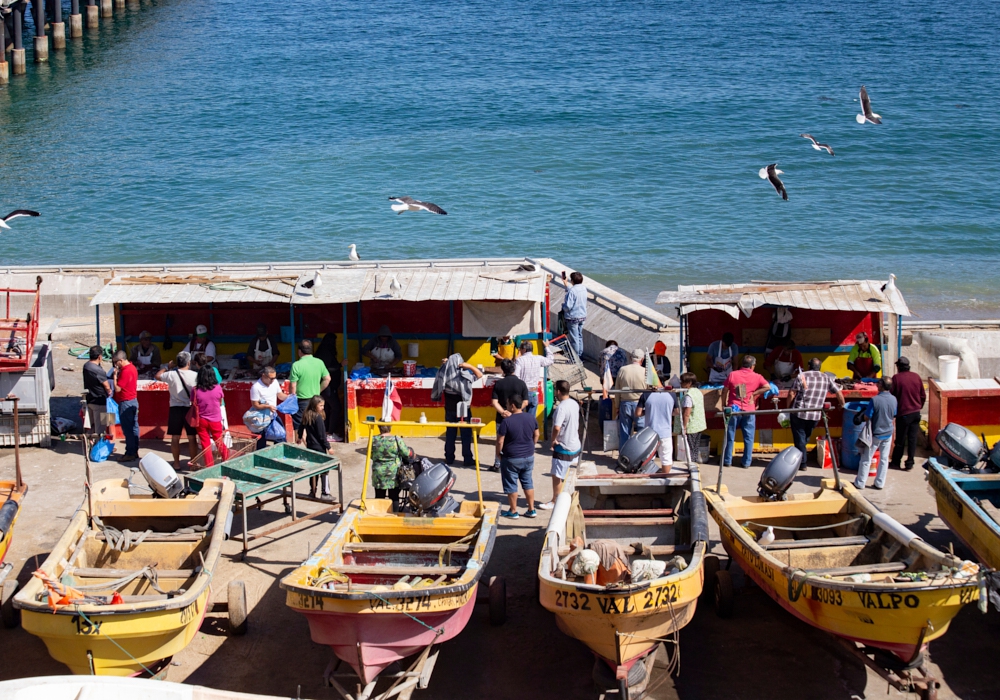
(623, 138)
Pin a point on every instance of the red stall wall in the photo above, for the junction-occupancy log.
(705, 327)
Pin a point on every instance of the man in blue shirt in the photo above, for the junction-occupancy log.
(575, 312)
(881, 413)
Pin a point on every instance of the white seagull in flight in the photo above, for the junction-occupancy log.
(867, 114)
(817, 145)
(770, 173)
(353, 255)
(411, 204)
(16, 213)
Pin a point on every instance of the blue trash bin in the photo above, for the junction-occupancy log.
(850, 457)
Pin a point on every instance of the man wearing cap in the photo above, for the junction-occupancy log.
(201, 343)
(145, 356)
(383, 351)
(632, 382)
(865, 360)
(908, 388)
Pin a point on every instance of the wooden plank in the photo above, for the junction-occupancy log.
(817, 542)
(990, 509)
(629, 522)
(84, 572)
(404, 547)
(630, 511)
(654, 475)
(155, 508)
(658, 550)
(882, 568)
(164, 537)
(397, 570)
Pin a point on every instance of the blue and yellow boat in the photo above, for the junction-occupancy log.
(970, 505)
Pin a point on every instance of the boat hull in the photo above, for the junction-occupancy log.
(901, 620)
(149, 638)
(371, 640)
(8, 489)
(977, 530)
(623, 627)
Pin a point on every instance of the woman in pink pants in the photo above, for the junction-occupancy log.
(208, 397)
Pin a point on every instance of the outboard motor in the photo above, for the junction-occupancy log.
(160, 476)
(636, 455)
(428, 491)
(961, 445)
(779, 474)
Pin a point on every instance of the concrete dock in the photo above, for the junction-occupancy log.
(763, 652)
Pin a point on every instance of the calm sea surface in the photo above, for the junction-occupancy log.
(623, 138)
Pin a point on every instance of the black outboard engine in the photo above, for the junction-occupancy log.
(779, 474)
(963, 448)
(636, 455)
(428, 490)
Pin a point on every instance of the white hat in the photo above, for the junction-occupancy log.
(201, 330)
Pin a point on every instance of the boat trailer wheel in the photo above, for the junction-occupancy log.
(724, 595)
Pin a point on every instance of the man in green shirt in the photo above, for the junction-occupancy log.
(308, 378)
(865, 360)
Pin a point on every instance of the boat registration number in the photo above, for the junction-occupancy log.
(612, 605)
(86, 626)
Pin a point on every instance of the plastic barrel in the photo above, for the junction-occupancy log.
(850, 457)
(948, 367)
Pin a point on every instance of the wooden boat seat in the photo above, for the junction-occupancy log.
(851, 540)
(881, 568)
(397, 570)
(626, 512)
(658, 550)
(164, 537)
(83, 572)
(405, 547)
(630, 522)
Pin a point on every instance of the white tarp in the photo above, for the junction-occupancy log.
(486, 319)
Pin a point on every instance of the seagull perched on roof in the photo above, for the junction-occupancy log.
(411, 204)
(891, 284)
(867, 114)
(316, 281)
(817, 145)
(770, 173)
(16, 213)
(394, 286)
(353, 255)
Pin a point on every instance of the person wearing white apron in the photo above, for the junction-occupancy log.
(785, 363)
(145, 356)
(263, 351)
(721, 355)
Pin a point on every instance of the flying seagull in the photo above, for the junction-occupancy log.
(16, 213)
(817, 145)
(770, 173)
(353, 255)
(866, 107)
(411, 204)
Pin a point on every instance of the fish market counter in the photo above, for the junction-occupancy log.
(365, 396)
(154, 405)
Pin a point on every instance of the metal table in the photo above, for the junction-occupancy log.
(276, 468)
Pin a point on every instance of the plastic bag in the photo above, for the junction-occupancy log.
(275, 431)
(257, 420)
(112, 410)
(289, 406)
(101, 450)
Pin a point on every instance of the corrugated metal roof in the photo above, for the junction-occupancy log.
(422, 281)
(838, 295)
(147, 289)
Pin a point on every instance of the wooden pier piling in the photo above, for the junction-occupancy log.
(17, 62)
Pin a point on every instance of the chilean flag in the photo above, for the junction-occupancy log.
(392, 405)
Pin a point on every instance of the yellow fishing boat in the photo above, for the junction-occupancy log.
(660, 522)
(11, 495)
(126, 589)
(386, 584)
(968, 503)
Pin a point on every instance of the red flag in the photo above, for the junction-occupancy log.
(392, 405)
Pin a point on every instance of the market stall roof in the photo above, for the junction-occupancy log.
(837, 295)
(448, 280)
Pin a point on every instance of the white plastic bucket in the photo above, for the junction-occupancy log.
(413, 350)
(948, 367)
